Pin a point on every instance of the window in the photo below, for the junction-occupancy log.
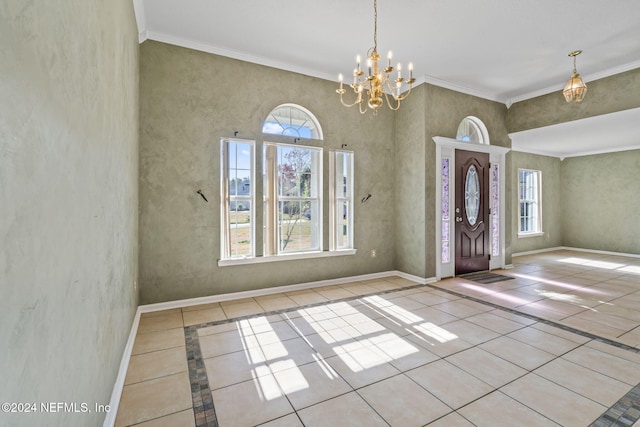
(291, 190)
(529, 195)
(341, 194)
(292, 120)
(471, 129)
(292, 203)
(237, 213)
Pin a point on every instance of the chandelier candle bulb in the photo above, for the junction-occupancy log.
(399, 71)
(340, 78)
(389, 56)
(358, 62)
(369, 66)
(410, 70)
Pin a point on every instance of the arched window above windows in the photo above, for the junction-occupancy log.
(292, 120)
(471, 129)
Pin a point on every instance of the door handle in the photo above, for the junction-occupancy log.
(458, 219)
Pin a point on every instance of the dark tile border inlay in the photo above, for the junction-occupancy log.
(623, 413)
(203, 410)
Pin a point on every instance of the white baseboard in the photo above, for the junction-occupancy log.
(595, 251)
(539, 251)
(110, 418)
(419, 280)
(569, 248)
(275, 290)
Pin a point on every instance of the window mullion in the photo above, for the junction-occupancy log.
(271, 200)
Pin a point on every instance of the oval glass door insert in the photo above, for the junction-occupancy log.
(472, 195)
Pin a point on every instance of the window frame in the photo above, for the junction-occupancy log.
(295, 124)
(536, 201)
(265, 240)
(226, 199)
(272, 198)
(337, 202)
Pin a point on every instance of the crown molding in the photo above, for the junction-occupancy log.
(141, 22)
(463, 89)
(563, 156)
(235, 54)
(144, 34)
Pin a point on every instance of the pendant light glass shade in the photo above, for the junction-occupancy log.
(576, 88)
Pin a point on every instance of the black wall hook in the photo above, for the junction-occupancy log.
(202, 195)
(367, 197)
(235, 133)
(344, 145)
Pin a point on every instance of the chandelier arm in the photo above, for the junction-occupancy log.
(390, 88)
(390, 104)
(404, 95)
(357, 101)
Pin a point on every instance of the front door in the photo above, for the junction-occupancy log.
(472, 212)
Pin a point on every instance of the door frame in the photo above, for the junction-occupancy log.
(445, 148)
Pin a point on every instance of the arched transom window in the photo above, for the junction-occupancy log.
(292, 120)
(471, 129)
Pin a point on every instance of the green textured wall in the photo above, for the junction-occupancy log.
(551, 201)
(600, 202)
(432, 111)
(411, 210)
(445, 111)
(188, 101)
(606, 95)
(68, 203)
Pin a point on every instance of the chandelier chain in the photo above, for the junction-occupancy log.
(375, 25)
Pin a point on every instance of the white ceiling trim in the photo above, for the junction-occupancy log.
(447, 85)
(138, 9)
(243, 56)
(576, 154)
(235, 54)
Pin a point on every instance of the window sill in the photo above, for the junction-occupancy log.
(524, 235)
(286, 257)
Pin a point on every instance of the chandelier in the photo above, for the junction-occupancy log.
(575, 89)
(377, 83)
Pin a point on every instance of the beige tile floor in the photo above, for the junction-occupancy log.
(388, 352)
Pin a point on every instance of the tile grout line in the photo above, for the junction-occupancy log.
(626, 411)
(542, 320)
(204, 411)
(203, 406)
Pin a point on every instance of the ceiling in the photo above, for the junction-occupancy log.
(502, 50)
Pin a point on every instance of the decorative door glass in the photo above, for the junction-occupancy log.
(472, 195)
(445, 211)
(495, 209)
